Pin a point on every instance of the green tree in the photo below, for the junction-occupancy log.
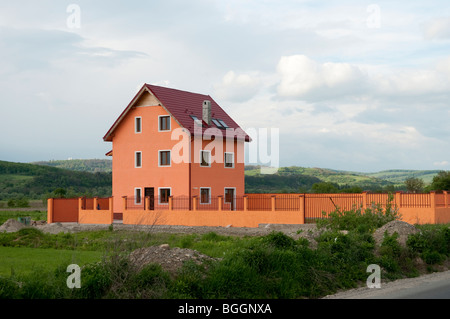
(441, 181)
(414, 184)
(325, 187)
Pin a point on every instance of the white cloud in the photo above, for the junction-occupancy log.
(442, 163)
(238, 87)
(304, 78)
(438, 28)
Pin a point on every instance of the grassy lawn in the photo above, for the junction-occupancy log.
(23, 260)
(14, 214)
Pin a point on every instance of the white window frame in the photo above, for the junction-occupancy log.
(225, 157)
(201, 158)
(159, 123)
(135, 195)
(135, 159)
(159, 158)
(209, 195)
(136, 126)
(159, 195)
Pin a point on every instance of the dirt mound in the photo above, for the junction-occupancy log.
(54, 228)
(171, 259)
(11, 226)
(403, 229)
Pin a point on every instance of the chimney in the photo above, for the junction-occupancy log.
(206, 112)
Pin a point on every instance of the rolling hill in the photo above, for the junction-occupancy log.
(92, 177)
(35, 181)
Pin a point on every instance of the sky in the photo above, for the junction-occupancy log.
(349, 85)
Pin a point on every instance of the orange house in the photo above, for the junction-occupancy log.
(169, 142)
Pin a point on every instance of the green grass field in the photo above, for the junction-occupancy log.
(23, 261)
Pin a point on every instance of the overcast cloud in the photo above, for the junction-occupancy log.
(352, 85)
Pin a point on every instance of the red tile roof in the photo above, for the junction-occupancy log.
(181, 105)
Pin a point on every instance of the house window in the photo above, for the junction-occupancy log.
(205, 158)
(164, 194)
(164, 158)
(197, 121)
(215, 121)
(138, 159)
(223, 123)
(164, 123)
(137, 196)
(205, 195)
(137, 124)
(229, 160)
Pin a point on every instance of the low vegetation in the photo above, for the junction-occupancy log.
(271, 266)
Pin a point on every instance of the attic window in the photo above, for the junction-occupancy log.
(215, 121)
(223, 124)
(197, 121)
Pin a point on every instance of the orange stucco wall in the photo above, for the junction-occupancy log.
(212, 218)
(126, 177)
(184, 177)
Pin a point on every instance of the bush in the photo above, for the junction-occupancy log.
(360, 220)
(432, 243)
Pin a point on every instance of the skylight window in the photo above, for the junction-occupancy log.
(196, 120)
(223, 124)
(217, 123)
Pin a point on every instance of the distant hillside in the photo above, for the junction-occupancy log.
(310, 176)
(34, 181)
(82, 165)
(399, 176)
(389, 180)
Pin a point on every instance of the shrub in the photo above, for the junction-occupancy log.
(360, 220)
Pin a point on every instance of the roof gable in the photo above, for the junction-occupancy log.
(182, 105)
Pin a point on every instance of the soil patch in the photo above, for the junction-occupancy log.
(11, 226)
(403, 230)
(170, 259)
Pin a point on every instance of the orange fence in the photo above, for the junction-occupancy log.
(249, 210)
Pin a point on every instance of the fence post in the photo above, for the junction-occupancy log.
(301, 198)
(147, 203)
(273, 202)
(124, 202)
(170, 202)
(245, 203)
(111, 210)
(364, 200)
(433, 199)
(95, 203)
(445, 199)
(49, 210)
(220, 201)
(398, 199)
(194, 203)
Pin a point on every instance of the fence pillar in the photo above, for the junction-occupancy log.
(445, 199)
(124, 203)
(364, 200)
(245, 203)
(49, 210)
(147, 203)
(301, 198)
(111, 210)
(170, 202)
(95, 203)
(433, 199)
(194, 203)
(273, 202)
(220, 201)
(398, 199)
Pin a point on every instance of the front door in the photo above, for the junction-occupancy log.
(229, 197)
(150, 193)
